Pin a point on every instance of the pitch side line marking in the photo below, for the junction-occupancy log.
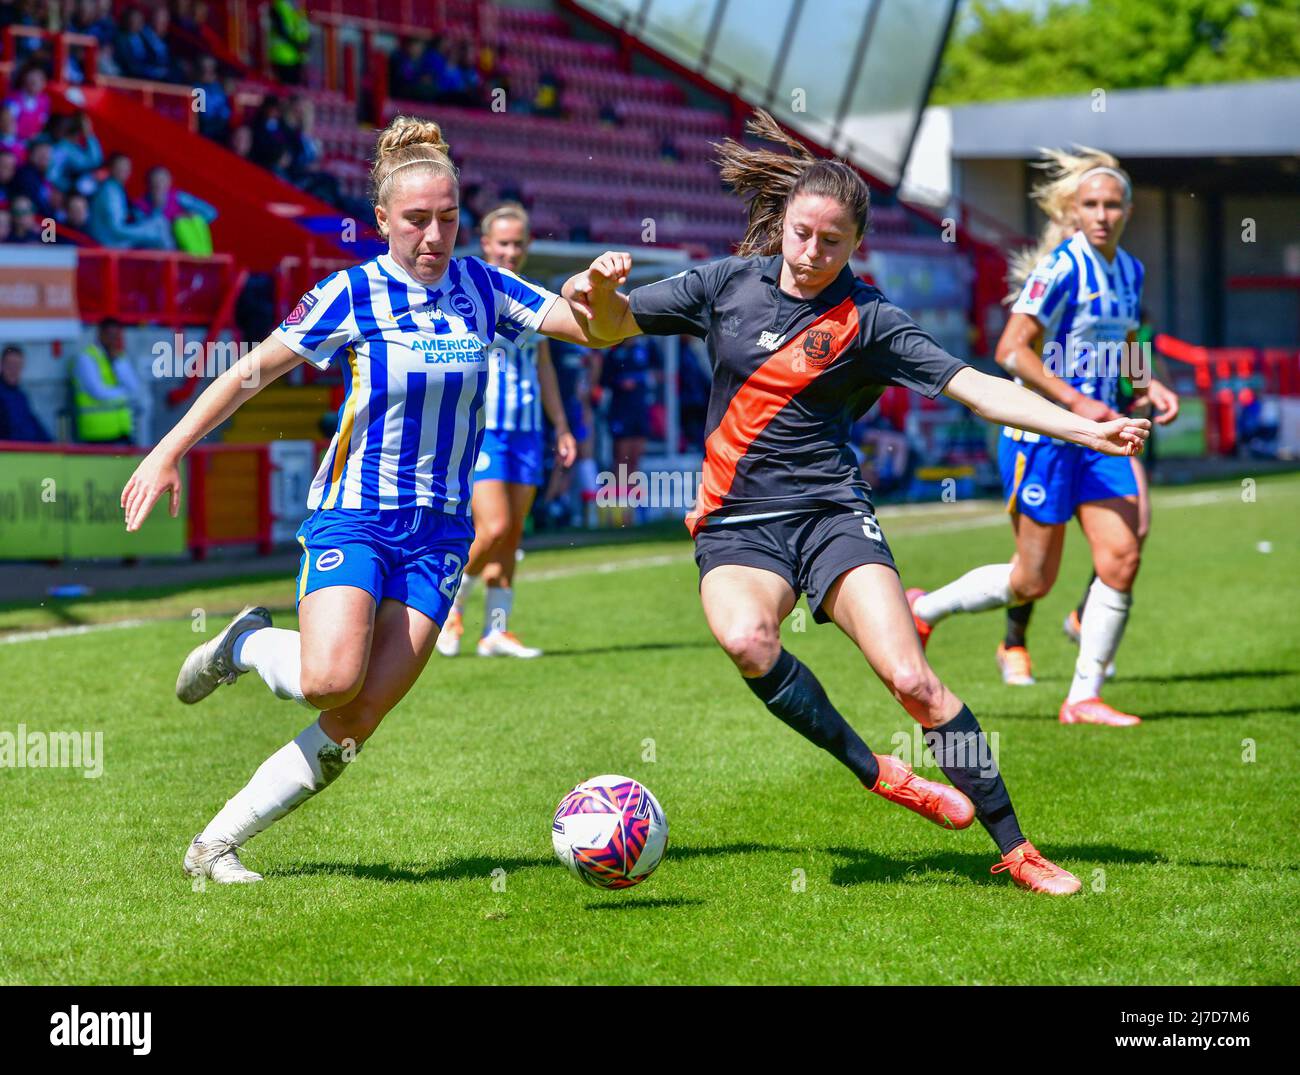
(996, 517)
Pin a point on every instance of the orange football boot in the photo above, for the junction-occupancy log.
(1014, 663)
(922, 628)
(1095, 711)
(944, 805)
(1030, 870)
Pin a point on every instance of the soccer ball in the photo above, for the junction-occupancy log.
(610, 831)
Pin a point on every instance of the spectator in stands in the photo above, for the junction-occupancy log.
(414, 71)
(241, 142)
(305, 169)
(110, 214)
(668, 150)
(106, 390)
(95, 19)
(6, 225)
(140, 52)
(75, 150)
(8, 169)
(18, 421)
(159, 36)
(214, 116)
(75, 216)
(9, 139)
(459, 83)
(270, 139)
(32, 180)
(289, 38)
(187, 216)
(546, 101)
(26, 228)
(29, 103)
(608, 115)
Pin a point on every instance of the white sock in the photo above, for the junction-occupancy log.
(500, 600)
(1104, 616)
(276, 655)
(587, 475)
(463, 591)
(976, 591)
(286, 780)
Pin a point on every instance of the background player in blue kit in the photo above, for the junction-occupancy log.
(1068, 336)
(390, 528)
(509, 468)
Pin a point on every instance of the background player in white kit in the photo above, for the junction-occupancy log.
(521, 381)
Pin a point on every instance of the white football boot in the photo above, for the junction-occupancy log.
(448, 643)
(218, 862)
(212, 663)
(505, 644)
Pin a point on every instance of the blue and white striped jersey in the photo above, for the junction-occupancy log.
(416, 359)
(514, 398)
(1086, 306)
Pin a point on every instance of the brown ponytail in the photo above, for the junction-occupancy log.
(768, 180)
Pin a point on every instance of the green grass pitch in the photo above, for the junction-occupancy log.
(780, 868)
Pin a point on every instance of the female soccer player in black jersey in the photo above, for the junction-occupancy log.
(800, 348)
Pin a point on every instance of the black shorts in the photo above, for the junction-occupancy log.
(809, 550)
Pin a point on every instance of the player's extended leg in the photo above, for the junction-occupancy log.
(744, 607)
(1111, 527)
(491, 506)
(867, 603)
(402, 642)
(498, 577)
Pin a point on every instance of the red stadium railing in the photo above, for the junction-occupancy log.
(61, 45)
(152, 285)
(1229, 379)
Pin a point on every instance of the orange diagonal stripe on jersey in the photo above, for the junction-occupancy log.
(768, 389)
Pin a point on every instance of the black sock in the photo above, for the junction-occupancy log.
(790, 691)
(1083, 601)
(963, 753)
(1018, 623)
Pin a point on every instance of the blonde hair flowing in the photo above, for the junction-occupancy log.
(1055, 196)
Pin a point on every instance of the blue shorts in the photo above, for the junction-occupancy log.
(413, 555)
(509, 456)
(1048, 481)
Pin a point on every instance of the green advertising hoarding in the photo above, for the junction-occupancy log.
(66, 507)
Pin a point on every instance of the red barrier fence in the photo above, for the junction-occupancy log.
(1229, 379)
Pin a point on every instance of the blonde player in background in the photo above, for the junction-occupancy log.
(521, 381)
(1075, 318)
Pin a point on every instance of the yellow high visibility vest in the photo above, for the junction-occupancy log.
(99, 420)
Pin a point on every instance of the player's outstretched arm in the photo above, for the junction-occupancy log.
(159, 471)
(1002, 402)
(1018, 354)
(594, 294)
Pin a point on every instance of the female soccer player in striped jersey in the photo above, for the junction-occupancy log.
(800, 348)
(521, 381)
(1081, 300)
(390, 526)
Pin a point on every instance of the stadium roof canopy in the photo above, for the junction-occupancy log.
(1243, 119)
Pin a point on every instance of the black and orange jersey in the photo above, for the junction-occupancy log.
(790, 377)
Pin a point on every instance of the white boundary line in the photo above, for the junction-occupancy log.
(904, 514)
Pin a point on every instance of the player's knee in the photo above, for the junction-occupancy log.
(1121, 568)
(1030, 585)
(359, 720)
(754, 647)
(915, 685)
(330, 688)
(494, 529)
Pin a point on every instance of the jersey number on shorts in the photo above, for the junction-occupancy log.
(870, 528)
(453, 564)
